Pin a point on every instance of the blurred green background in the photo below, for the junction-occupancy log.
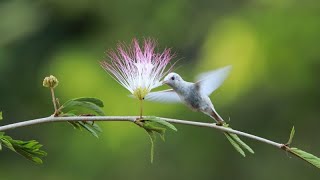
(272, 45)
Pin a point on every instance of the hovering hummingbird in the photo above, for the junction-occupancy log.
(196, 96)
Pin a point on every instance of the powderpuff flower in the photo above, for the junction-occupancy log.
(138, 69)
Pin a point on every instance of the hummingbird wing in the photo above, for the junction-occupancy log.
(210, 81)
(166, 96)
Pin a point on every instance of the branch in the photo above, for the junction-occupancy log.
(133, 119)
(137, 120)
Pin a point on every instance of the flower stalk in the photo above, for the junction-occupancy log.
(52, 82)
(54, 101)
(141, 108)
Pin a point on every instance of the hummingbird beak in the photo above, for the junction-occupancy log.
(163, 82)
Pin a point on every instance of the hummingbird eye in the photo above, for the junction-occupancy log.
(172, 78)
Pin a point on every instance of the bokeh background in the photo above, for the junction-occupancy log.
(272, 45)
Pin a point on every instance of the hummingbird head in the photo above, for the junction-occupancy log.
(172, 79)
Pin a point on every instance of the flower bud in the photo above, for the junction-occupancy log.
(50, 82)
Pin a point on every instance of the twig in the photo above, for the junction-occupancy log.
(54, 101)
(133, 119)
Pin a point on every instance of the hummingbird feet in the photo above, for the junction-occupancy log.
(220, 123)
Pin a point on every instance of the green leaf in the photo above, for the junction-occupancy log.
(241, 143)
(1, 115)
(153, 127)
(79, 107)
(95, 101)
(291, 136)
(28, 149)
(160, 121)
(75, 125)
(235, 145)
(92, 127)
(237, 140)
(1, 135)
(69, 114)
(7, 143)
(83, 105)
(152, 137)
(310, 158)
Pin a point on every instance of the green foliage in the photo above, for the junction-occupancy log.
(1, 135)
(291, 136)
(237, 143)
(310, 158)
(154, 125)
(161, 122)
(85, 106)
(152, 137)
(241, 143)
(152, 129)
(90, 126)
(234, 144)
(28, 149)
(95, 101)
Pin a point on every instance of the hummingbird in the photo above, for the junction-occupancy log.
(196, 97)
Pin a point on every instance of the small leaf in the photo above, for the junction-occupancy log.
(90, 126)
(310, 158)
(162, 122)
(1, 115)
(152, 127)
(235, 145)
(75, 124)
(237, 140)
(81, 107)
(69, 114)
(28, 149)
(95, 101)
(7, 143)
(1, 135)
(241, 143)
(152, 137)
(291, 136)
(93, 128)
